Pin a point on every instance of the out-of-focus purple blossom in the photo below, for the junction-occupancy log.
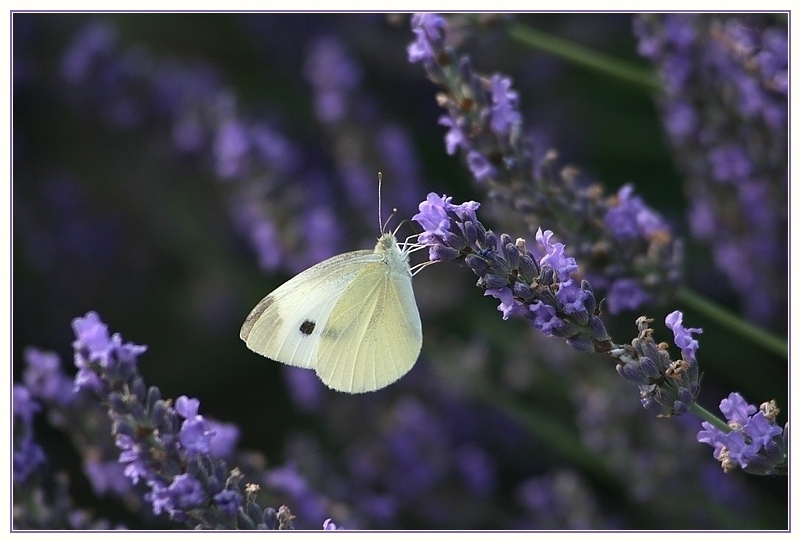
(308, 502)
(429, 29)
(28, 456)
(44, 377)
(726, 113)
(185, 492)
(477, 469)
(305, 389)
(107, 477)
(505, 112)
(224, 440)
(334, 75)
(730, 163)
(754, 443)
(484, 123)
(231, 147)
(631, 219)
(24, 406)
(625, 294)
(558, 498)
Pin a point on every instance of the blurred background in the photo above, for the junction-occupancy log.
(170, 170)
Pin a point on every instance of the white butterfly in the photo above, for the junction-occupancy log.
(352, 318)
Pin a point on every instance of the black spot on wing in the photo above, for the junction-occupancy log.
(307, 327)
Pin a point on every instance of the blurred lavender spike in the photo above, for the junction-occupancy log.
(624, 246)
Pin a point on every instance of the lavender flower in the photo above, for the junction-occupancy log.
(631, 244)
(171, 456)
(542, 290)
(754, 443)
(28, 455)
(724, 107)
(666, 387)
(538, 288)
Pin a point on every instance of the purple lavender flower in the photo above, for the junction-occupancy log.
(184, 493)
(683, 336)
(196, 432)
(725, 110)
(334, 76)
(28, 456)
(45, 379)
(626, 294)
(24, 406)
(485, 124)
(477, 469)
(225, 437)
(429, 29)
(540, 289)
(754, 443)
(171, 456)
(107, 477)
(96, 351)
(505, 112)
(631, 219)
(666, 387)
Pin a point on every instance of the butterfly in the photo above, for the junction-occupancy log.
(352, 318)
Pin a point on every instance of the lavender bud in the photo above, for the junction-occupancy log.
(581, 343)
(523, 291)
(511, 254)
(476, 263)
(116, 401)
(470, 232)
(153, 397)
(528, 269)
(598, 329)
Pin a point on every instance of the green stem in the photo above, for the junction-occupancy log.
(705, 415)
(584, 56)
(730, 320)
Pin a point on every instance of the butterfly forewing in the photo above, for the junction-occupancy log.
(286, 325)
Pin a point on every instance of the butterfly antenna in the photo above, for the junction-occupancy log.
(380, 220)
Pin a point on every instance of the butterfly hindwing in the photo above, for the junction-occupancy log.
(373, 335)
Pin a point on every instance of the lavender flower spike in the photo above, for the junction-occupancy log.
(633, 256)
(755, 443)
(539, 288)
(171, 456)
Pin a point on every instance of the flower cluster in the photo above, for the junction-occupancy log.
(541, 288)
(28, 455)
(626, 248)
(666, 387)
(754, 442)
(724, 108)
(169, 448)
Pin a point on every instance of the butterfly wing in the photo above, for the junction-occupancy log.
(373, 335)
(287, 324)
